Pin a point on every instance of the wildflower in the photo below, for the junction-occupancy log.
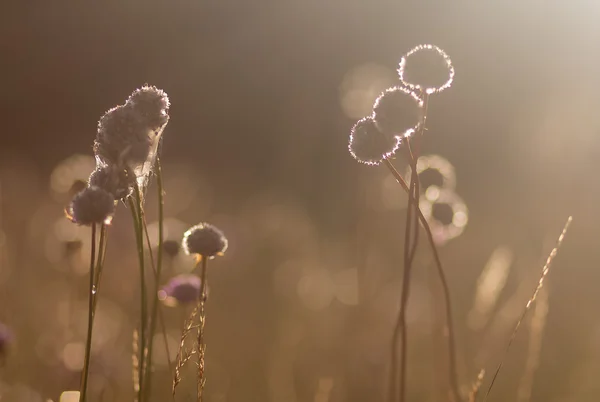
(5, 340)
(181, 289)
(396, 111)
(112, 179)
(90, 206)
(205, 240)
(429, 74)
(152, 104)
(369, 145)
(171, 247)
(123, 137)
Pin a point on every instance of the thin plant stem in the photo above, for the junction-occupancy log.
(201, 345)
(100, 263)
(136, 211)
(155, 308)
(445, 287)
(88, 343)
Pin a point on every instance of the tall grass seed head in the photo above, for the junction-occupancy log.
(152, 104)
(181, 289)
(397, 111)
(92, 205)
(112, 179)
(370, 146)
(204, 240)
(123, 137)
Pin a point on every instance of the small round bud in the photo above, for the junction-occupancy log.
(370, 146)
(112, 179)
(90, 206)
(181, 289)
(152, 104)
(171, 248)
(205, 240)
(396, 111)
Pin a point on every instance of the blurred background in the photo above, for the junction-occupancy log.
(263, 95)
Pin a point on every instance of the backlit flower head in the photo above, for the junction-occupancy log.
(397, 111)
(430, 69)
(204, 240)
(112, 179)
(370, 146)
(90, 206)
(181, 289)
(152, 104)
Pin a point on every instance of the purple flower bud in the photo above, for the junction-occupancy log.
(181, 289)
(90, 206)
(396, 111)
(205, 240)
(370, 146)
(112, 179)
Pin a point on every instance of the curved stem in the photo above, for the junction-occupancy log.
(445, 287)
(88, 343)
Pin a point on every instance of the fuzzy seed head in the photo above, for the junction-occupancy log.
(397, 111)
(113, 180)
(429, 69)
(152, 104)
(370, 146)
(171, 248)
(205, 240)
(92, 205)
(123, 138)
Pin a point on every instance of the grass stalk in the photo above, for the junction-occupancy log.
(88, 343)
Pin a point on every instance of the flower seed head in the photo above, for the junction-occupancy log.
(112, 179)
(370, 146)
(90, 206)
(123, 138)
(152, 104)
(396, 111)
(426, 68)
(181, 289)
(171, 247)
(205, 240)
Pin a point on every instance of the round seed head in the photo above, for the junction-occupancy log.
(171, 247)
(181, 289)
(152, 104)
(370, 146)
(429, 69)
(205, 240)
(90, 206)
(112, 179)
(123, 137)
(397, 111)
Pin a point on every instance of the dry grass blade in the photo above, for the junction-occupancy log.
(545, 271)
(184, 355)
(200, 350)
(476, 386)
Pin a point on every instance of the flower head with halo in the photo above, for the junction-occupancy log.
(204, 240)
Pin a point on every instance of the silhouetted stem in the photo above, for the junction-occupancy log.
(88, 343)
